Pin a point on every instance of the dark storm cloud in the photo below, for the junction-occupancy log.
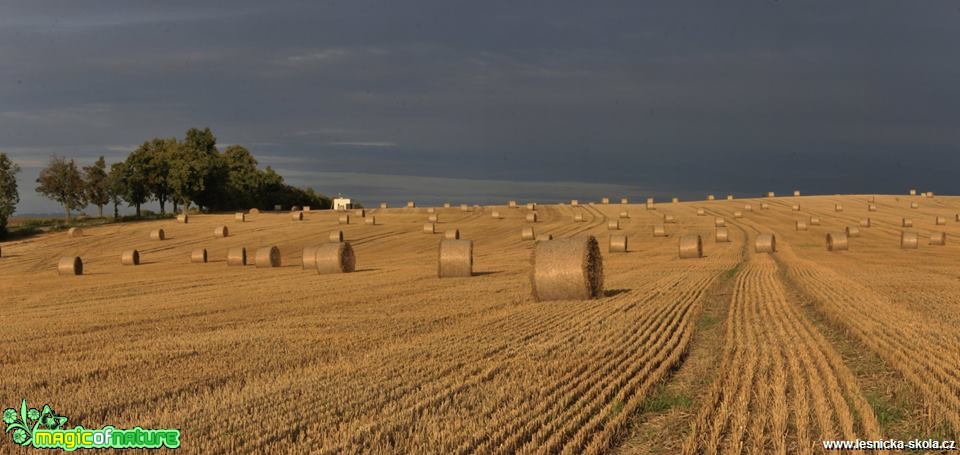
(668, 97)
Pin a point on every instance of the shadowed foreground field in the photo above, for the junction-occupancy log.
(734, 352)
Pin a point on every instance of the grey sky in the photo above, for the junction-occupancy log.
(544, 100)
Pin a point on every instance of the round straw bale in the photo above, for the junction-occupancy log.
(431, 210)
(199, 256)
(75, 232)
(711, 197)
(938, 238)
(669, 219)
(308, 258)
(464, 208)
(814, 220)
(344, 219)
(451, 234)
(748, 207)
(738, 214)
(370, 220)
(267, 256)
(512, 204)
(240, 216)
(384, 205)
(940, 221)
(295, 208)
(675, 200)
(837, 241)
(837, 208)
(764, 206)
(618, 243)
(446, 205)
(852, 231)
(237, 256)
(722, 235)
(455, 258)
(335, 236)
(411, 204)
(914, 205)
(765, 243)
(796, 192)
(771, 194)
(865, 223)
(567, 269)
(872, 208)
(335, 258)
(957, 217)
(433, 218)
(254, 211)
(495, 214)
(624, 200)
(605, 200)
(429, 228)
(729, 197)
(221, 231)
(183, 218)
(650, 203)
(659, 230)
(701, 212)
(719, 221)
(624, 214)
(531, 206)
(360, 213)
(544, 237)
(70, 265)
(532, 217)
(913, 192)
(613, 225)
(908, 240)
(796, 207)
(130, 257)
(297, 216)
(690, 247)
(929, 194)
(801, 225)
(574, 202)
(527, 233)
(158, 234)
(578, 217)
(906, 222)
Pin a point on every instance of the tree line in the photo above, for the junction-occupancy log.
(183, 173)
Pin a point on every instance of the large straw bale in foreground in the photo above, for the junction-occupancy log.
(765, 243)
(268, 256)
(130, 257)
(335, 258)
(567, 269)
(618, 243)
(837, 241)
(237, 256)
(690, 247)
(909, 240)
(70, 265)
(455, 258)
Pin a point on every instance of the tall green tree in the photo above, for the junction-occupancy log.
(243, 178)
(9, 197)
(62, 182)
(157, 154)
(196, 168)
(137, 168)
(117, 186)
(95, 185)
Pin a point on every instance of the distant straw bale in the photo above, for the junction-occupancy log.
(764, 206)
(852, 231)
(237, 256)
(796, 193)
(605, 200)
(906, 222)
(865, 222)
(254, 211)
(650, 203)
(914, 205)
(130, 257)
(240, 216)
(801, 225)
(335, 236)
(527, 233)
(384, 205)
(771, 194)
(512, 204)
(837, 208)
(464, 208)
(183, 218)
(411, 204)
(675, 200)
(344, 219)
(719, 221)
(940, 221)
(574, 202)
(544, 237)
(729, 197)
(624, 214)
(578, 217)
(872, 208)
(158, 234)
(938, 238)
(296, 216)
(495, 214)
(613, 225)
(669, 219)
(370, 220)
(199, 256)
(814, 220)
(446, 205)
(722, 235)
(429, 228)
(360, 213)
(701, 212)
(738, 214)
(624, 200)
(908, 240)
(711, 197)
(75, 232)
(531, 205)
(70, 265)
(659, 230)
(532, 217)
(451, 234)
(433, 218)
(796, 207)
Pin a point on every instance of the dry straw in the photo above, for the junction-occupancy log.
(158, 234)
(938, 238)
(512, 204)
(748, 207)
(384, 205)
(433, 218)
(650, 203)
(914, 205)
(451, 234)
(722, 235)
(837, 241)
(913, 192)
(929, 194)
(618, 243)
(237, 256)
(574, 202)
(495, 214)
(130, 257)
(429, 228)
(801, 226)
(360, 213)
(531, 206)
(765, 243)
(690, 247)
(532, 217)
(764, 206)
(701, 212)
(344, 219)
(675, 200)
(431, 210)
(719, 221)
(308, 258)
(183, 218)
(613, 225)
(411, 204)
(796, 193)
(940, 221)
(771, 194)
(464, 208)
(624, 214)
(853, 231)
(865, 223)
(297, 216)
(872, 208)
(370, 220)
(254, 211)
(455, 258)
(199, 256)
(796, 207)
(605, 200)
(527, 233)
(240, 216)
(659, 230)
(335, 258)
(624, 200)
(567, 269)
(70, 265)
(738, 214)
(446, 205)
(906, 222)
(814, 220)
(908, 240)
(711, 197)
(75, 232)
(837, 208)
(336, 236)
(268, 256)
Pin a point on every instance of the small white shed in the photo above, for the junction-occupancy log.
(342, 203)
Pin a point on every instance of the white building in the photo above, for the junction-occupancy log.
(342, 203)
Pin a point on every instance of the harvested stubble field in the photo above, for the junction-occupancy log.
(733, 352)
